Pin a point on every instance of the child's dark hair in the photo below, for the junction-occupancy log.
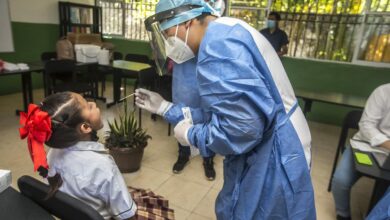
(65, 114)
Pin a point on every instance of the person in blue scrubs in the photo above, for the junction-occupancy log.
(185, 91)
(248, 108)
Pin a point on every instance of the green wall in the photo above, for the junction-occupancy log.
(30, 40)
(333, 77)
(127, 46)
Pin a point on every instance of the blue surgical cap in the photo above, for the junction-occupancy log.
(164, 5)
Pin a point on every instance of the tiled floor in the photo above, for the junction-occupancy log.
(189, 193)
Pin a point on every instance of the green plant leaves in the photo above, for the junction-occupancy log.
(125, 133)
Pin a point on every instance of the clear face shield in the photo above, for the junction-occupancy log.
(158, 38)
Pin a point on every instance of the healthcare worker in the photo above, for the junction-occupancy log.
(185, 93)
(250, 112)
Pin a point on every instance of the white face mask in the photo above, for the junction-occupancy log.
(177, 49)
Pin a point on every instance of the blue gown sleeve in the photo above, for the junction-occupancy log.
(174, 115)
(237, 97)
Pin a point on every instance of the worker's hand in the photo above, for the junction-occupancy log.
(151, 101)
(181, 132)
(386, 145)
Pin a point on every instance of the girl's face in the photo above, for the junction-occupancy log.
(90, 112)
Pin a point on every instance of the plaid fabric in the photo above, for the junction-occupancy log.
(151, 206)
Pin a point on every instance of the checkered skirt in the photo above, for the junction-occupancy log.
(150, 206)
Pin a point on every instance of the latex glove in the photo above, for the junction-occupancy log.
(151, 101)
(181, 132)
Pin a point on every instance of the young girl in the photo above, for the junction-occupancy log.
(77, 164)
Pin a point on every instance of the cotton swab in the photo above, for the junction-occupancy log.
(120, 100)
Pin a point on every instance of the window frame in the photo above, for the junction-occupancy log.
(355, 60)
(358, 35)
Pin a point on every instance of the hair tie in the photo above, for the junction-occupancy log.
(37, 128)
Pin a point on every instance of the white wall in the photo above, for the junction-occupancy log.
(6, 41)
(38, 11)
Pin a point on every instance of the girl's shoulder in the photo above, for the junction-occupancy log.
(86, 157)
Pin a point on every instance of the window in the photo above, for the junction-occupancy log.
(355, 31)
(112, 17)
(253, 12)
(321, 36)
(135, 14)
(374, 39)
(125, 18)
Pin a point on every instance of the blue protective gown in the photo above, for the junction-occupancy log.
(184, 84)
(265, 172)
(382, 209)
(185, 93)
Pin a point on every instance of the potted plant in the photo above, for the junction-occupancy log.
(126, 142)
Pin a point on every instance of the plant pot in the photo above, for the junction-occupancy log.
(127, 159)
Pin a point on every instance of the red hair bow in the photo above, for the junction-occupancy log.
(37, 128)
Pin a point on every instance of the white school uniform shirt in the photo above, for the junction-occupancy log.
(90, 174)
(374, 126)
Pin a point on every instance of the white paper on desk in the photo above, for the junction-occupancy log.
(5, 179)
(104, 57)
(23, 66)
(10, 66)
(14, 67)
(364, 146)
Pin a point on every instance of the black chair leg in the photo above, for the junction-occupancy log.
(351, 120)
(334, 167)
(125, 87)
(140, 118)
(94, 92)
(135, 87)
(169, 129)
(103, 85)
